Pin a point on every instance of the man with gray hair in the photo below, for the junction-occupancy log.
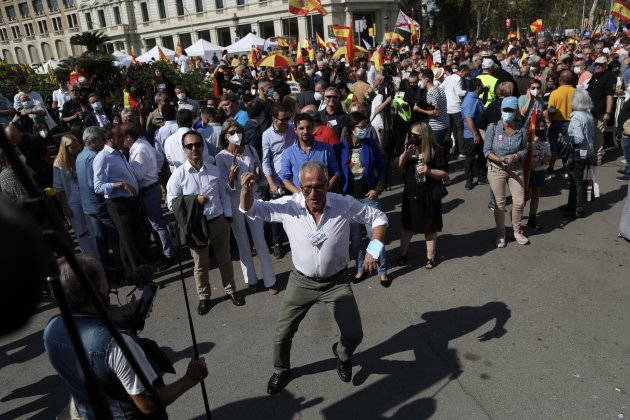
(317, 223)
(99, 223)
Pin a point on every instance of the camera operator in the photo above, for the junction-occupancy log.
(77, 108)
(126, 396)
(380, 97)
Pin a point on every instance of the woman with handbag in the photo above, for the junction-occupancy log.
(505, 147)
(363, 168)
(582, 132)
(424, 169)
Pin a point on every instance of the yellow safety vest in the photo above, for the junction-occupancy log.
(489, 81)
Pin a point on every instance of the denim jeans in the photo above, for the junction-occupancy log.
(357, 246)
(625, 146)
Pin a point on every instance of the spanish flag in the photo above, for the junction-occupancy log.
(320, 41)
(179, 50)
(303, 7)
(392, 37)
(316, 5)
(298, 58)
(621, 10)
(350, 45)
(536, 26)
(282, 42)
(309, 48)
(377, 57)
(527, 163)
(162, 56)
(133, 56)
(341, 32)
(413, 28)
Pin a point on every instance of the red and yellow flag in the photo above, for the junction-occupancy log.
(253, 57)
(536, 26)
(303, 7)
(179, 50)
(282, 41)
(350, 45)
(377, 58)
(320, 41)
(298, 58)
(133, 56)
(392, 37)
(316, 5)
(621, 10)
(309, 48)
(413, 28)
(527, 163)
(162, 56)
(341, 32)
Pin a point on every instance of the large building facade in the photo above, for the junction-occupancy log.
(35, 31)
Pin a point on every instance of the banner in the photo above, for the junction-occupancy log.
(320, 41)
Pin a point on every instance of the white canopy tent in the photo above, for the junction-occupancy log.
(205, 49)
(43, 69)
(153, 55)
(122, 59)
(244, 45)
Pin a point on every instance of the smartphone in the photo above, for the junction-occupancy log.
(146, 301)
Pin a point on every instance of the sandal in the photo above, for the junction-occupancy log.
(430, 263)
(402, 260)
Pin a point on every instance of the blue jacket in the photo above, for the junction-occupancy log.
(373, 162)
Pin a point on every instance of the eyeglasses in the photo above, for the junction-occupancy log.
(307, 190)
(284, 120)
(331, 97)
(190, 146)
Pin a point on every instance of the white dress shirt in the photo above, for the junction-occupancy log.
(454, 90)
(174, 151)
(340, 212)
(186, 180)
(163, 133)
(143, 163)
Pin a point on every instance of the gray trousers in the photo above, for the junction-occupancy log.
(301, 293)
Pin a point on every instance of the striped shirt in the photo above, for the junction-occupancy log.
(437, 98)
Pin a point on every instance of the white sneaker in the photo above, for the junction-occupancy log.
(520, 238)
(501, 241)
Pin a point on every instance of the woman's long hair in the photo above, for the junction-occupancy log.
(427, 146)
(227, 124)
(64, 159)
(354, 119)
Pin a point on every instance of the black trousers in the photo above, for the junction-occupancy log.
(474, 154)
(456, 127)
(577, 193)
(128, 220)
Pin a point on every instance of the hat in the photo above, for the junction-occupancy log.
(487, 63)
(601, 60)
(438, 72)
(509, 102)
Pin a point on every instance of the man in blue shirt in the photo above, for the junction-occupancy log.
(231, 106)
(472, 109)
(100, 225)
(304, 150)
(114, 180)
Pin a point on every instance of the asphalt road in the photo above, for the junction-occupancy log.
(525, 332)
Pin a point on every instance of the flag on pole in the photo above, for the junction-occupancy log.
(377, 57)
(413, 28)
(341, 32)
(179, 50)
(403, 22)
(299, 59)
(309, 48)
(621, 10)
(282, 41)
(536, 26)
(320, 41)
(303, 7)
(316, 5)
(162, 56)
(133, 56)
(527, 163)
(253, 57)
(392, 37)
(350, 45)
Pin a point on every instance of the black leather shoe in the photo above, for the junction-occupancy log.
(344, 369)
(204, 306)
(236, 300)
(278, 382)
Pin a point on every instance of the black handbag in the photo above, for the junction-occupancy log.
(439, 191)
(567, 148)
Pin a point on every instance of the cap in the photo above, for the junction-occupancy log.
(487, 63)
(509, 102)
(601, 60)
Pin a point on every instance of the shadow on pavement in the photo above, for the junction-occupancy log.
(187, 353)
(46, 407)
(22, 350)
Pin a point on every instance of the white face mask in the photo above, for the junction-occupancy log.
(253, 91)
(421, 84)
(22, 159)
(236, 139)
(318, 96)
(181, 96)
(577, 70)
(534, 92)
(43, 133)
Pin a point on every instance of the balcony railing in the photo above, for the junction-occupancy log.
(75, 29)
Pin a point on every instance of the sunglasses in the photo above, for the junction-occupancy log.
(232, 132)
(284, 120)
(190, 146)
(332, 97)
(307, 190)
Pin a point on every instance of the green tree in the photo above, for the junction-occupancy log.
(90, 40)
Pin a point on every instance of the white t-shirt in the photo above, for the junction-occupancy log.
(184, 64)
(118, 364)
(377, 119)
(61, 98)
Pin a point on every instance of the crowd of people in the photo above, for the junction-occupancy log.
(251, 162)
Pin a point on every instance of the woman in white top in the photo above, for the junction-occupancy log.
(232, 161)
(65, 182)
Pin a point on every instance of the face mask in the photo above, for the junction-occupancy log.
(515, 60)
(318, 96)
(181, 96)
(22, 159)
(360, 132)
(43, 133)
(507, 116)
(27, 104)
(97, 106)
(236, 138)
(577, 70)
(421, 84)
(540, 133)
(253, 91)
(534, 92)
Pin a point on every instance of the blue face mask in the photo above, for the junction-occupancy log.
(360, 132)
(507, 116)
(97, 106)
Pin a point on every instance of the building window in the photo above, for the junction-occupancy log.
(57, 25)
(167, 42)
(185, 39)
(1, 17)
(145, 11)
(72, 21)
(53, 6)
(199, 6)
(290, 26)
(11, 13)
(4, 36)
(88, 20)
(43, 26)
(223, 36)
(219, 4)
(117, 19)
(161, 9)
(28, 29)
(149, 43)
(204, 35)
(24, 10)
(101, 19)
(266, 29)
(240, 2)
(68, 3)
(179, 6)
(16, 32)
(38, 7)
